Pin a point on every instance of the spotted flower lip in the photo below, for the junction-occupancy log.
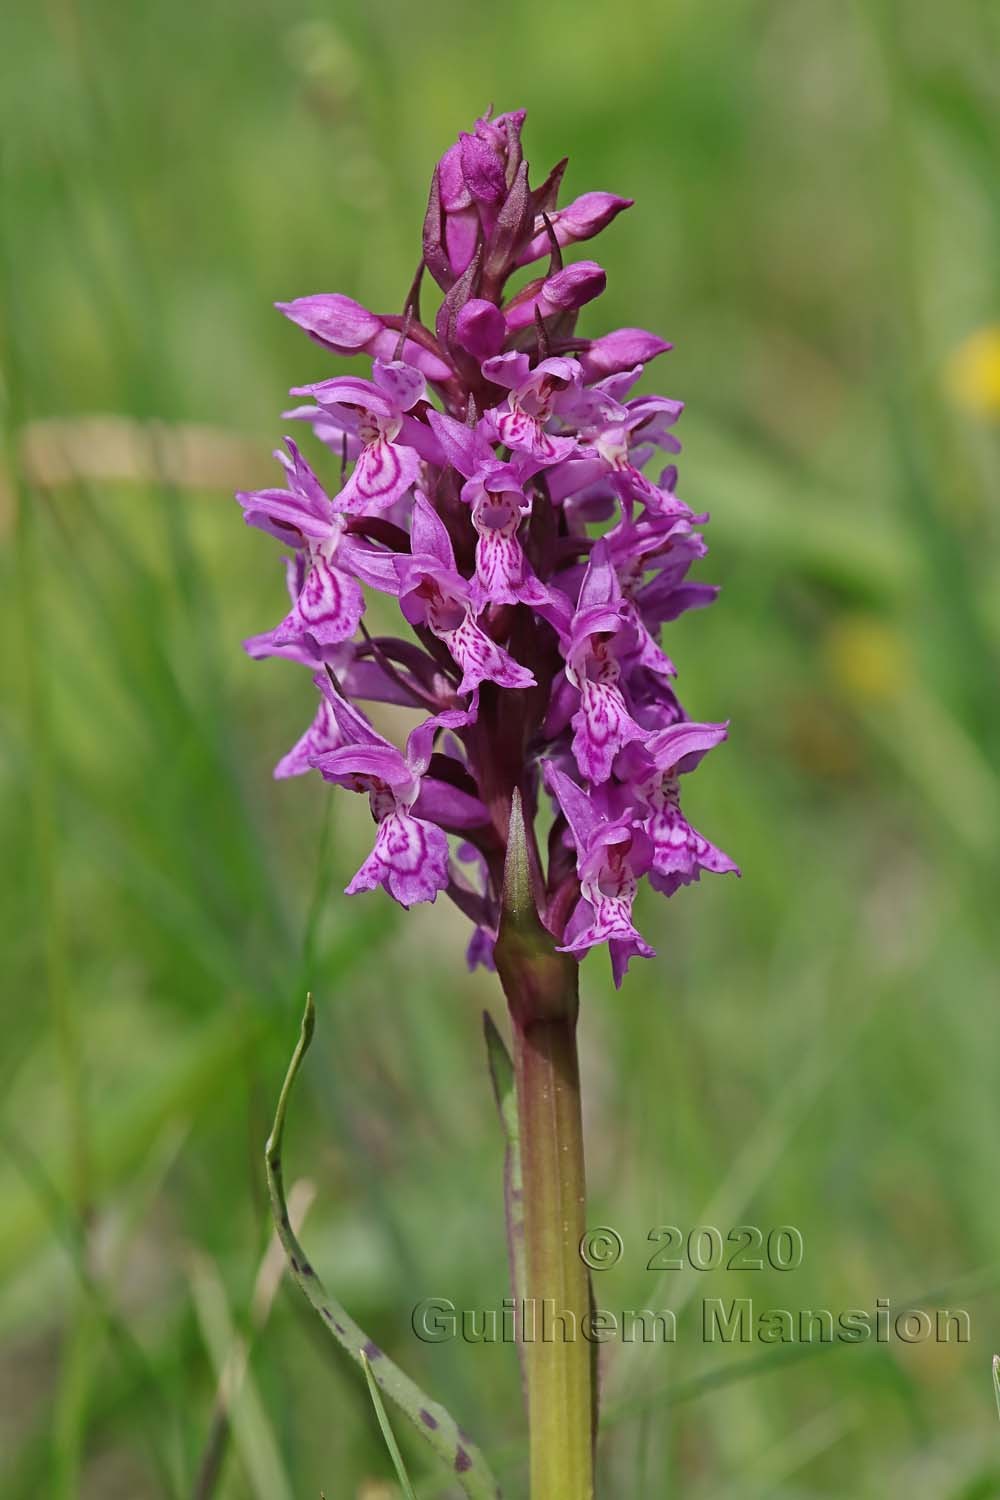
(375, 410)
(410, 857)
(433, 593)
(327, 602)
(611, 855)
(535, 392)
(508, 489)
(496, 492)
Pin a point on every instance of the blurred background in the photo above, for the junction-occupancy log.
(818, 231)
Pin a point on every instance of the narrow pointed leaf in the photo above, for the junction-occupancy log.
(502, 1076)
(514, 225)
(539, 982)
(435, 257)
(519, 909)
(436, 1426)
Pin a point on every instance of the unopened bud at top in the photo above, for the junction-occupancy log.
(471, 183)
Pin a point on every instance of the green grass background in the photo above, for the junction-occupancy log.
(817, 228)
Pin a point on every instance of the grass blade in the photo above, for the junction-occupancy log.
(252, 1432)
(387, 1432)
(233, 1370)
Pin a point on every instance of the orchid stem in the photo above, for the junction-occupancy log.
(541, 986)
(557, 1296)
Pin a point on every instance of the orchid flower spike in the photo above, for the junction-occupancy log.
(488, 474)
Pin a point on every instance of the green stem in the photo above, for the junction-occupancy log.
(542, 993)
(557, 1292)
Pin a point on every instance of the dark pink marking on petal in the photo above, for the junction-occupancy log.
(329, 605)
(378, 470)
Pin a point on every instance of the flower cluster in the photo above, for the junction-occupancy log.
(493, 482)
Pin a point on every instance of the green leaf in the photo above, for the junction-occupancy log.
(502, 1076)
(436, 1426)
(520, 912)
(539, 982)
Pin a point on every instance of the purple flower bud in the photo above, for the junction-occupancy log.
(579, 220)
(567, 290)
(572, 287)
(482, 169)
(460, 219)
(503, 132)
(333, 320)
(480, 329)
(342, 325)
(470, 185)
(621, 350)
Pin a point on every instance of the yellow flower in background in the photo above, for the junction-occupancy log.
(867, 658)
(973, 372)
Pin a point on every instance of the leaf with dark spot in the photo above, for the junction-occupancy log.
(431, 1420)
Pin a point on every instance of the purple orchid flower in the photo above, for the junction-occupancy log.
(358, 678)
(599, 630)
(611, 855)
(495, 491)
(667, 547)
(410, 857)
(609, 431)
(327, 602)
(322, 736)
(375, 411)
(679, 852)
(535, 393)
(505, 494)
(433, 593)
(498, 500)
(480, 328)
